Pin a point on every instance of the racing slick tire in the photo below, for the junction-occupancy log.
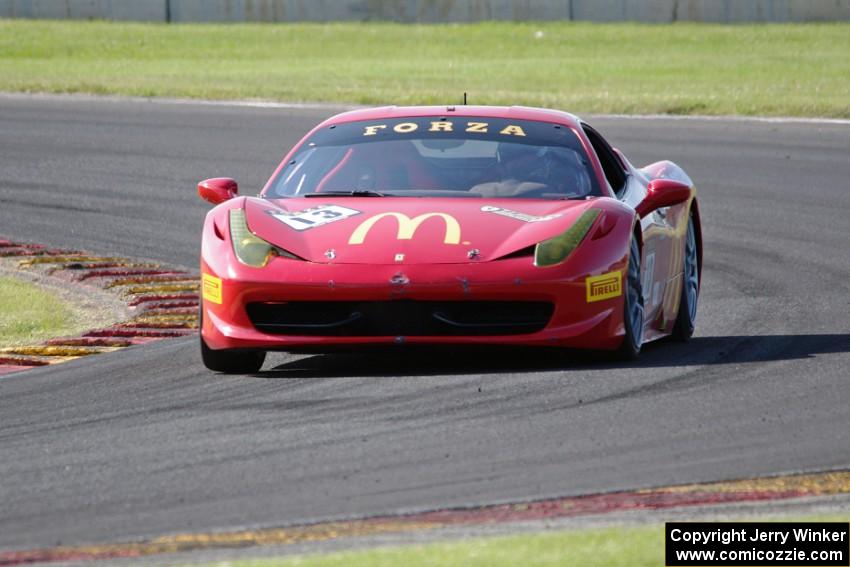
(632, 306)
(687, 315)
(229, 361)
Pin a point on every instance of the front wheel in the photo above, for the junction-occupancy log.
(687, 315)
(632, 306)
(230, 361)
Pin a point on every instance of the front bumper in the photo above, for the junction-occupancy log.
(574, 323)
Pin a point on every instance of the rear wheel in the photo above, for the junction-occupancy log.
(632, 306)
(230, 361)
(687, 316)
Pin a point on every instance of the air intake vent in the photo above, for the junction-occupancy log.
(400, 318)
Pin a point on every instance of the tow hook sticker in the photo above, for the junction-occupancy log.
(314, 216)
(517, 215)
(211, 288)
(604, 286)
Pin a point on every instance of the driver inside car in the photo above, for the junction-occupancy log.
(534, 171)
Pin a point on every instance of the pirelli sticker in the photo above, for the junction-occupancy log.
(211, 288)
(605, 286)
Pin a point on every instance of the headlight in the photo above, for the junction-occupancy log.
(250, 249)
(555, 250)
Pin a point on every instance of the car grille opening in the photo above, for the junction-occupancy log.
(400, 318)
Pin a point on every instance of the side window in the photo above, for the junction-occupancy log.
(611, 166)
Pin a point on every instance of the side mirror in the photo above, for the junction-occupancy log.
(218, 189)
(663, 193)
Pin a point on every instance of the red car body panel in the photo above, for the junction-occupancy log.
(492, 235)
(447, 249)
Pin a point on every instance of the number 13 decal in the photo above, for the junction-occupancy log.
(317, 216)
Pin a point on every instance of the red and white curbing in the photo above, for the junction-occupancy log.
(810, 486)
(162, 301)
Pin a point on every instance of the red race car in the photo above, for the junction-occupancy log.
(449, 225)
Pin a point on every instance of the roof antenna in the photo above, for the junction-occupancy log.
(464, 98)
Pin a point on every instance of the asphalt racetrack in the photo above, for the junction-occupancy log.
(145, 441)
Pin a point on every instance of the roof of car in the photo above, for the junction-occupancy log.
(518, 112)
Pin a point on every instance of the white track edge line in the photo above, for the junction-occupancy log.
(267, 104)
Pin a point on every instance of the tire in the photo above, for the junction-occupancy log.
(229, 361)
(632, 306)
(687, 315)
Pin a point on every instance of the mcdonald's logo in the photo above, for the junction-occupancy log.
(407, 227)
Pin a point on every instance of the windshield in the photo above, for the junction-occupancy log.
(440, 156)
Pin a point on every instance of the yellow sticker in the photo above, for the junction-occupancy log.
(212, 288)
(605, 286)
(512, 131)
(373, 130)
(443, 126)
(408, 226)
(405, 127)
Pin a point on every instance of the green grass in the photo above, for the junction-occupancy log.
(30, 314)
(616, 68)
(608, 547)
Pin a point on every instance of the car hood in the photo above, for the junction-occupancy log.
(408, 230)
